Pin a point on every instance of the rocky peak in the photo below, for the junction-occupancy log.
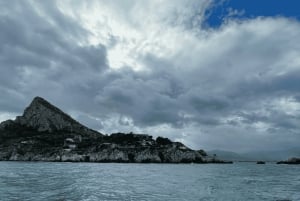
(43, 116)
(6, 124)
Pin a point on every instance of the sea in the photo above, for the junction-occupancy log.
(36, 181)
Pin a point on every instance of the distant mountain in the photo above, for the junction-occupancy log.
(227, 155)
(45, 133)
(274, 155)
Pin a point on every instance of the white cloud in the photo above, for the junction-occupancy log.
(7, 115)
(133, 28)
(287, 105)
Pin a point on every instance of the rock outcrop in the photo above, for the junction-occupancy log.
(291, 161)
(45, 133)
(44, 117)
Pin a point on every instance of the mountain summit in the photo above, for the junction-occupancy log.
(43, 116)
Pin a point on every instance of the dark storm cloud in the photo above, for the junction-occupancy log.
(142, 97)
(41, 52)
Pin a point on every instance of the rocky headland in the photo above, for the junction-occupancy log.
(291, 161)
(45, 133)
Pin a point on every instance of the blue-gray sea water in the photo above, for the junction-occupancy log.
(110, 181)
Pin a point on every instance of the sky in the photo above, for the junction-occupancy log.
(211, 74)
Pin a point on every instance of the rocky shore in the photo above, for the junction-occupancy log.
(45, 133)
(291, 161)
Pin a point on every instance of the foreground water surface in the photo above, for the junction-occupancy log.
(110, 181)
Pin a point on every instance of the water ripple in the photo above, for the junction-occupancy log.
(96, 181)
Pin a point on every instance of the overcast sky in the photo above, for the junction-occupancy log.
(203, 72)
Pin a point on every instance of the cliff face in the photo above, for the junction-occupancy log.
(45, 133)
(44, 117)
